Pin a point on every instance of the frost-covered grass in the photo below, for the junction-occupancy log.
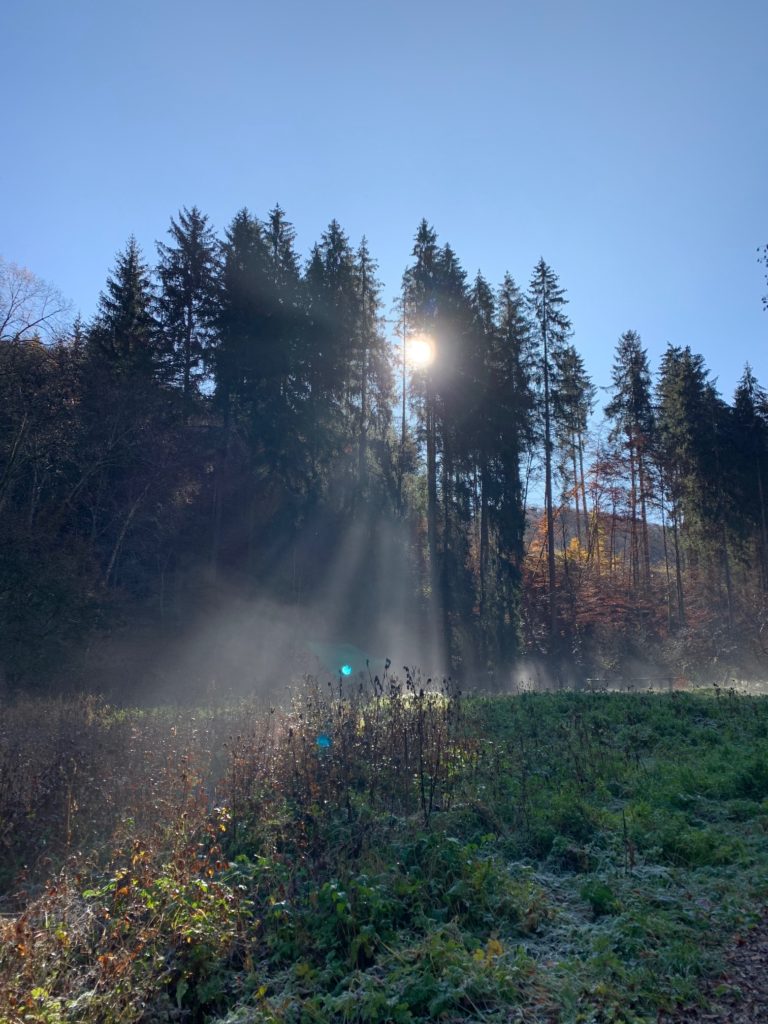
(378, 853)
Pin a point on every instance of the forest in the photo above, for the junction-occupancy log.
(243, 449)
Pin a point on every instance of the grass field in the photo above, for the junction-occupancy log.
(378, 853)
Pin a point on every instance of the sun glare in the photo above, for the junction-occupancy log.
(421, 352)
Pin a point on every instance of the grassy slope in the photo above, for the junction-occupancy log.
(538, 858)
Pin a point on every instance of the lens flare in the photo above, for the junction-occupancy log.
(420, 352)
(346, 670)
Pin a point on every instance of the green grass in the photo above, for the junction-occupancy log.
(542, 858)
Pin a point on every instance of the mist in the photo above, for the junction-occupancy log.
(326, 601)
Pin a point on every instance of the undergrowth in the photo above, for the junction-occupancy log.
(383, 851)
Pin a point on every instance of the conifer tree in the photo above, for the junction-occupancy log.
(573, 402)
(551, 329)
(284, 324)
(342, 304)
(329, 341)
(454, 412)
(483, 425)
(518, 357)
(318, 405)
(280, 239)
(125, 331)
(750, 420)
(127, 439)
(631, 409)
(513, 398)
(187, 303)
(672, 456)
(372, 371)
(257, 323)
(693, 433)
(245, 360)
(497, 403)
(420, 313)
(438, 305)
(246, 377)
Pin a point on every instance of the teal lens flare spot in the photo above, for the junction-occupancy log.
(346, 670)
(323, 741)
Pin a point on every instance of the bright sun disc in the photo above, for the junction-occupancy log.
(421, 352)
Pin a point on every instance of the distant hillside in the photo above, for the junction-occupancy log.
(566, 528)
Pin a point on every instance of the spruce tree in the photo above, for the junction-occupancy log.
(420, 313)
(574, 397)
(518, 357)
(437, 305)
(246, 379)
(246, 363)
(128, 442)
(284, 324)
(187, 303)
(631, 409)
(513, 397)
(329, 298)
(372, 370)
(494, 427)
(693, 450)
(125, 331)
(454, 410)
(551, 329)
(750, 422)
(484, 424)
(280, 239)
(342, 308)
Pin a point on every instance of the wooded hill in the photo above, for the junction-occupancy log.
(235, 424)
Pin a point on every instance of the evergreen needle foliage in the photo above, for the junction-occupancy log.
(237, 422)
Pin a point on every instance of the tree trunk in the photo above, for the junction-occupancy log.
(432, 499)
(666, 559)
(678, 571)
(6, 478)
(484, 537)
(121, 536)
(646, 545)
(634, 548)
(576, 488)
(727, 573)
(763, 529)
(582, 481)
(548, 498)
(362, 456)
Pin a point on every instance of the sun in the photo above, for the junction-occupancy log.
(421, 352)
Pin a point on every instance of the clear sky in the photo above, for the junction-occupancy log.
(626, 142)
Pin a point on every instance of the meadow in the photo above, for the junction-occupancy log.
(378, 851)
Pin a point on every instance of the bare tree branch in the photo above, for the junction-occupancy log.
(29, 306)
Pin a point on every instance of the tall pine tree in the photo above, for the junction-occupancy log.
(750, 423)
(125, 331)
(187, 303)
(551, 329)
(631, 409)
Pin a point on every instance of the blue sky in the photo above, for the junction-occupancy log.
(624, 142)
